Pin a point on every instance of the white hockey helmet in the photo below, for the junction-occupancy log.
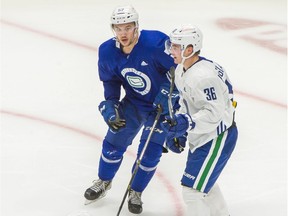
(124, 14)
(187, 35)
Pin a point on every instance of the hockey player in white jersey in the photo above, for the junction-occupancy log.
(206, 117)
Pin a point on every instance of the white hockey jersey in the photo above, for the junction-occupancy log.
(206, 94)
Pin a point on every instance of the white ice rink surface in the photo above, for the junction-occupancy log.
(51, 130)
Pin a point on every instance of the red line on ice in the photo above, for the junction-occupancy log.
(75, 43)
(49, 35)
(178, 207)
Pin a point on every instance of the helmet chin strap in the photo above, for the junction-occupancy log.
(136, 33)
(184, 58)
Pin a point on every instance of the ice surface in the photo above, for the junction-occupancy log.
(51, 130)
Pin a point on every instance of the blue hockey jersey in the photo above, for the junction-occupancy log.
(141, 73)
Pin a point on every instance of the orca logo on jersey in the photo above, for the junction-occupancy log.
(139, 81)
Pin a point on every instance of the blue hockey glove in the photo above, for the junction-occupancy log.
(178, 144)
(178, 126)
(110, 112)
(162, 98)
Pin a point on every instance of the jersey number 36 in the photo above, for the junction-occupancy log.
(210, 93)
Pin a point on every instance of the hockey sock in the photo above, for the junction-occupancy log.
(110, 161)
(147, 166)
(195, 201)
(216, 202)
(142, 178)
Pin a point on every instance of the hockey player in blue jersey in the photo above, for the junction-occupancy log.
(206, 115)
(137, 62)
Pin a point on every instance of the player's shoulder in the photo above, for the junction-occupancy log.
(110, 43)
(203, 69)
(204, 65)
(108, 47)
(152, 38)
(153, 33)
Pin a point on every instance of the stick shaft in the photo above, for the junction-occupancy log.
(159, 111)
(170, 106)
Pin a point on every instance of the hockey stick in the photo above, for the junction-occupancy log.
(170, 106)
(159, 111)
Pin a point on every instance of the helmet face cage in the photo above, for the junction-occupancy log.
(168, 46)
(124, 14)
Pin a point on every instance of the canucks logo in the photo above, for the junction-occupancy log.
(135, 81)
(139, 81)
